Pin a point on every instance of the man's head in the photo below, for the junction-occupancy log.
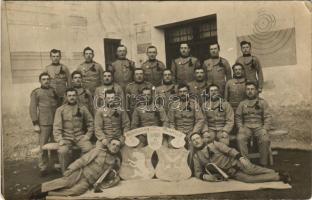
(214, 49)
(44, 79)
(151, 52)
(167, 76)
(71, 96)
(238, 70)
(251, 89)
(138, 75)
(88, 54)
(110, 97)
(245, 47)
(183, 91)
(121, 52)
(107, 77)
(185, 50)
(55, 56)
(114, 145)
(76, 78)
(214, 92)
(147, 94)
(197, 140)
(199, 74)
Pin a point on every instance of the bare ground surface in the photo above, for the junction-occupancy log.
(23, 174)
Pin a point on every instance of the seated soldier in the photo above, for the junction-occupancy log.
(111, 121)
(253, 118)
(219, 116)
(83, 173)
(147, 114)
(231, 162)
(73, 125)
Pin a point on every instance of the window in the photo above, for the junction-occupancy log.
(198, 33)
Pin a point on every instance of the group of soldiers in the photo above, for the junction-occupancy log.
(202, 100)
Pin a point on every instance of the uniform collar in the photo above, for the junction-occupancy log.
(247, 55)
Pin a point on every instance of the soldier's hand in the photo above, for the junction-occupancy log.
(61, 142)
(68, 172)
(104, 142)
(211, 178)
(245, 162)
(37, 128)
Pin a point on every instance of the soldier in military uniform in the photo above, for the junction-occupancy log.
(198, 86)
(43, 103)
(231, 162)
(108, 84)
(235, 89)
(183, 67)
(73, 125)
(252, 66)
(219, 116)
(185, 114)
(122, 68)
(92, 72)
(153, 68)
(217, 68)
(110, 121)
(166, 91)
(147, 114)
(133, 89)
(59, 73)
(83, 173)
(84, 95)
(253, 118)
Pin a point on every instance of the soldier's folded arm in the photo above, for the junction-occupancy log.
(58, 125)
(229, 122)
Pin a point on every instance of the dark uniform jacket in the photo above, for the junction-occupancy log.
(183, 68)
(43, 103)
(153, 70)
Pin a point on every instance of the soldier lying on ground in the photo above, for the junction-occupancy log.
(231, 162)
(83, 173)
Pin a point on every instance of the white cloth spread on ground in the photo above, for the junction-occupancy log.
(156, 187)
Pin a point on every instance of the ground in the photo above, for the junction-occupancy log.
(22, 174)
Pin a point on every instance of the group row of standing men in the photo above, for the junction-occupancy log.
(70, 119)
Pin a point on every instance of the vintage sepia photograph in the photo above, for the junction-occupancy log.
(156, 100)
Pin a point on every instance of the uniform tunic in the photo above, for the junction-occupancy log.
(92, 75)
(165, 94)
(235, 91)
(99, 94)
(183, 68)
(153, 71)
(253, 69)
(123, 71)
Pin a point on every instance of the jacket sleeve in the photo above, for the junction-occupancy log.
(226, 91)
(98, 126)
(68, 76)
(199, 119)
(226, 150)
(127, 98)
(125, 122)
(88, 121)
(239, 115)
(171, 118)
(228, 71)
(205, 126)
(84, 160)
(58, 125)
(90, 102)
(174, 70)
(267, 116)
(229, 115)
(259, 72)
(163, 117)
(198, 168)
(33, 108)
(135, 122)
(101, 73)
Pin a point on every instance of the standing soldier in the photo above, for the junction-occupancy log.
(153, 68)
(43, 103)
(252, 66)
(122, 68)
(183, 67)
(235, 91)
(217, 68)
(92, 72)
(84, 95)
(59, 73)
(108, 84)
(134, 89)
(185, 114)
(73, 125)
(219, 117)
(253, 118)
(199, 85)
(147, 114)
(166, 91)
(110, 122)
